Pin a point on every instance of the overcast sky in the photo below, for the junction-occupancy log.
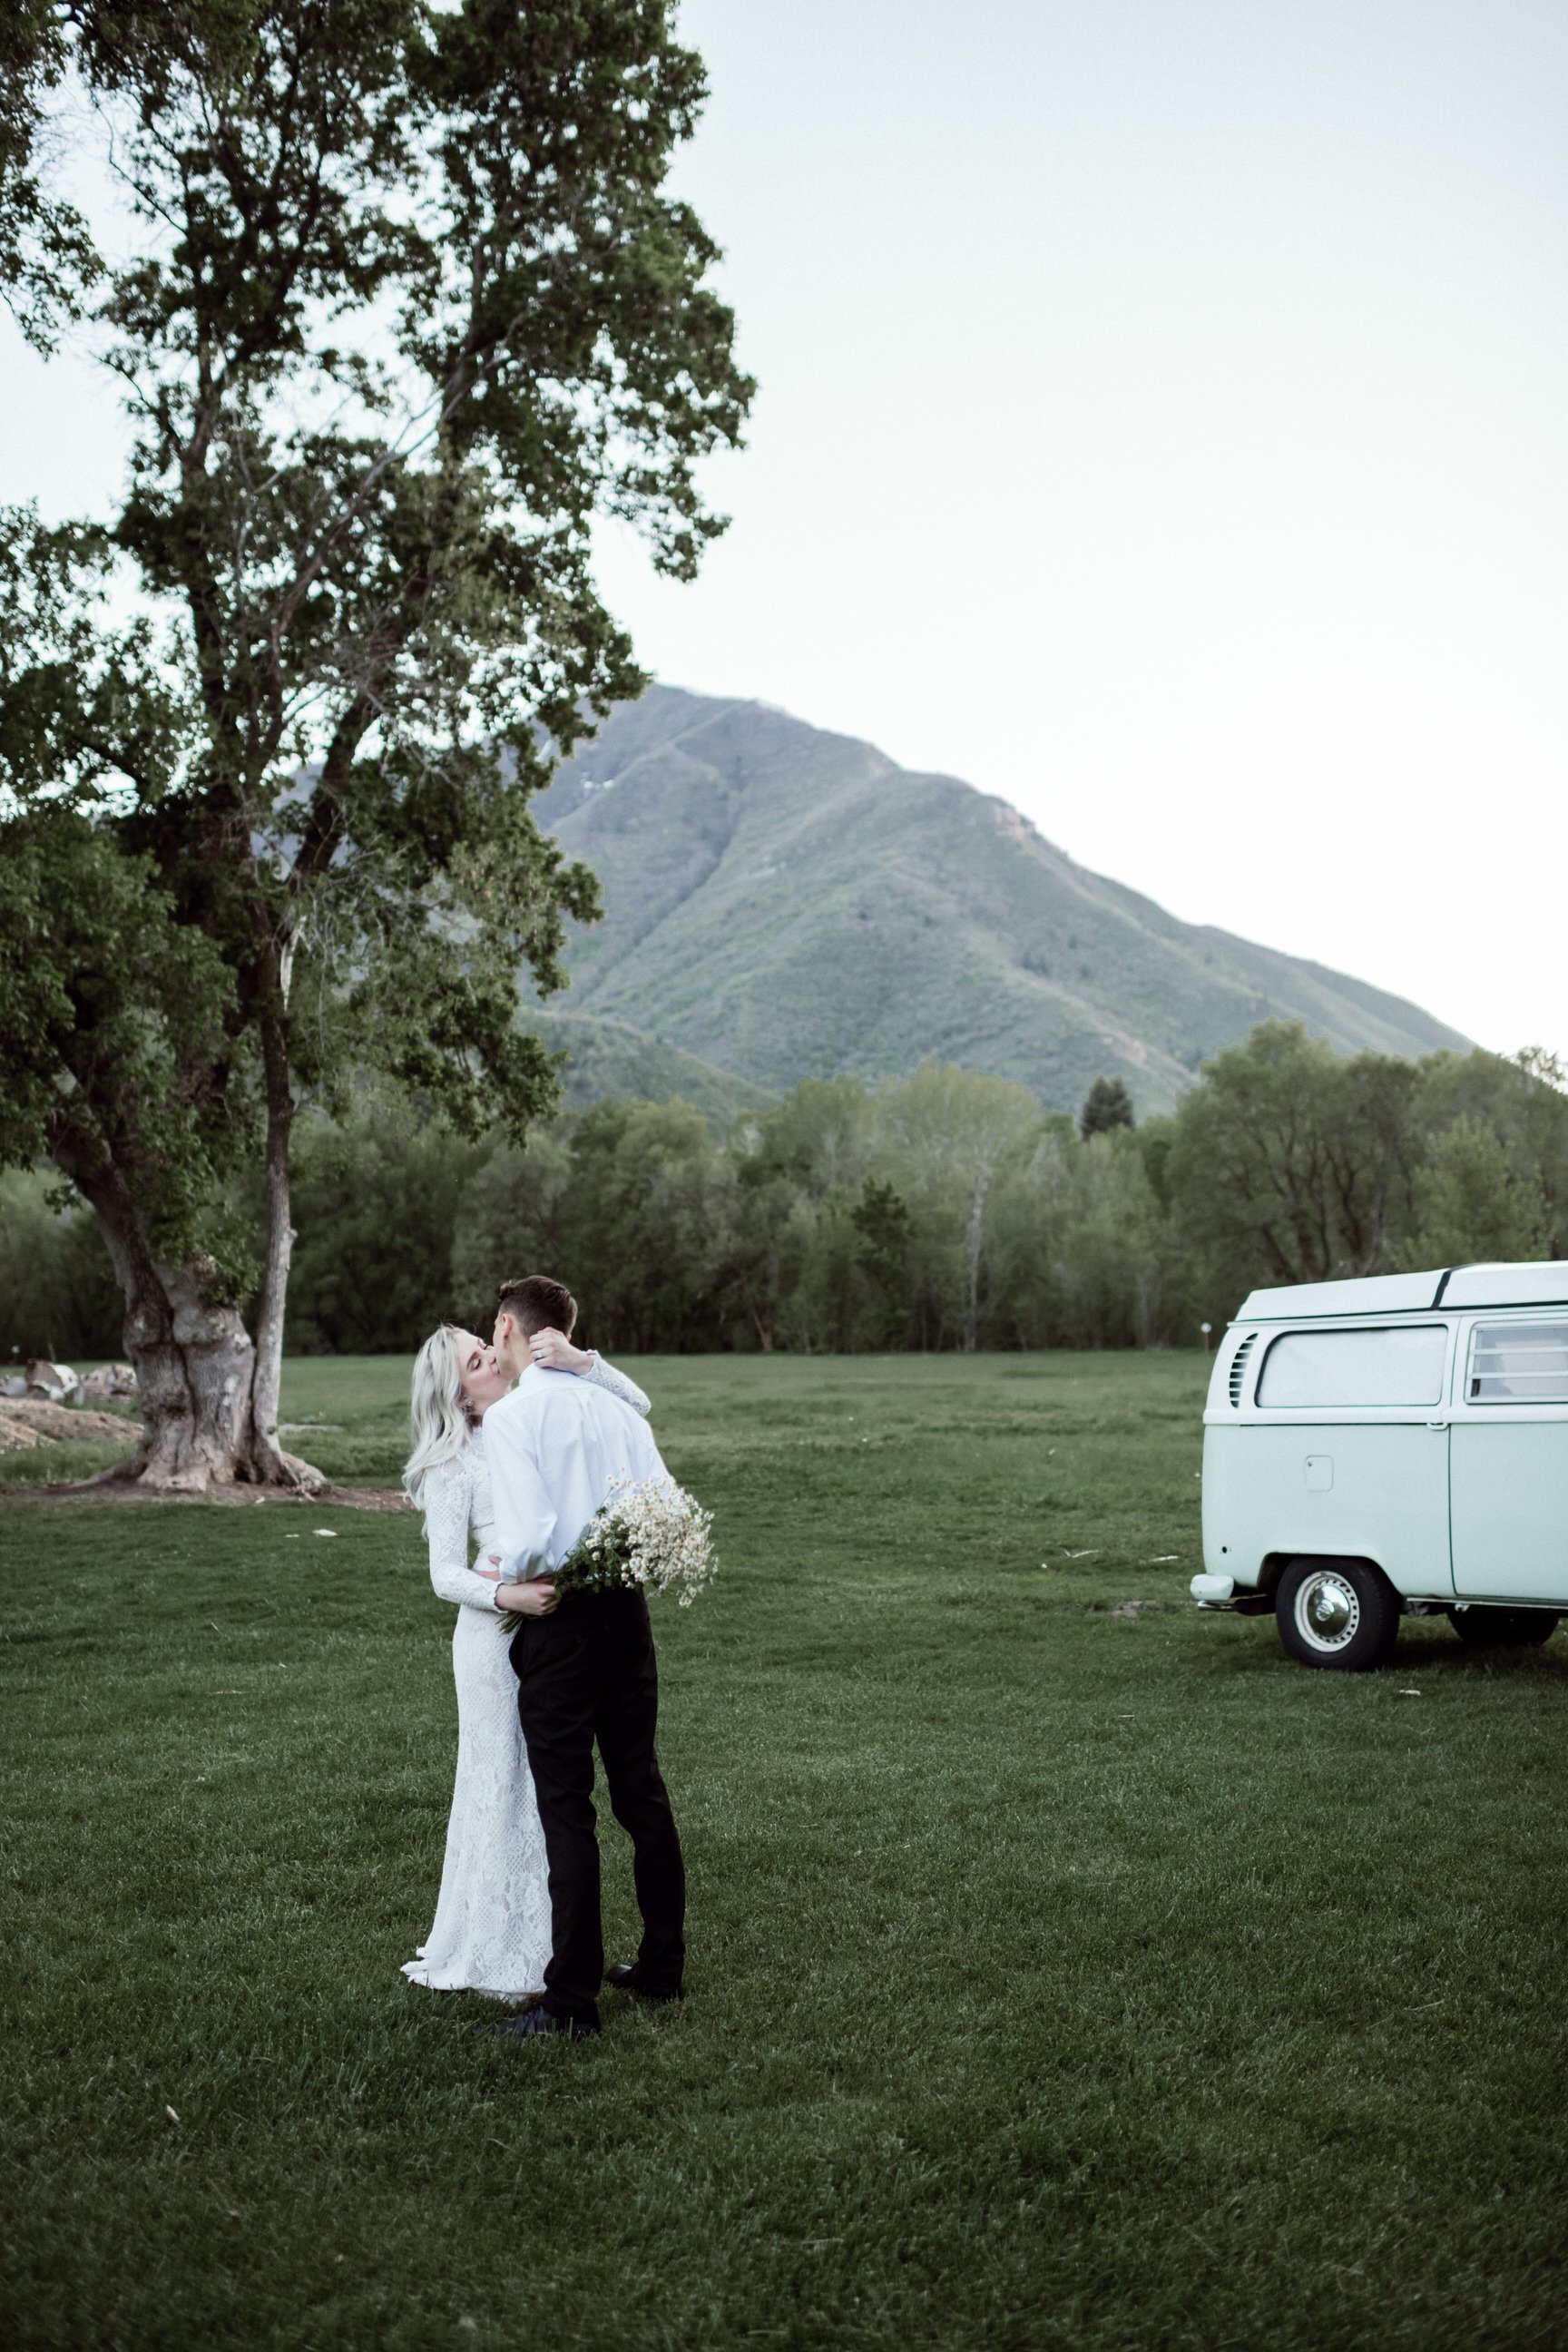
(1164, 424)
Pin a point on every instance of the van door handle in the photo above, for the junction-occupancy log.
(1438, 1425)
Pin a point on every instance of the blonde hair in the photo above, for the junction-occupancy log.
(439, 1419)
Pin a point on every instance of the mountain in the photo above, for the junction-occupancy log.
(606, 1057)
(783, 903)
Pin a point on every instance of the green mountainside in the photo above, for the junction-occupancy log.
(607, 1057)
(783, 903)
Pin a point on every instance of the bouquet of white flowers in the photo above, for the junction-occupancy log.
(650, 1537)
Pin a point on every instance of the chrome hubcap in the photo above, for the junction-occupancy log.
(1327, 1610)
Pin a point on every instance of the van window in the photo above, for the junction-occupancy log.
(1383, 1367)
(1519, 1363)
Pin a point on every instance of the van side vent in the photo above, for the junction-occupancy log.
(1238, 1381)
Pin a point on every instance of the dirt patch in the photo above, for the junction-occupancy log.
(29, 1421)
(349, 1498)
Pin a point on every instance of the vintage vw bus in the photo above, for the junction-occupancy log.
(1397, 1444)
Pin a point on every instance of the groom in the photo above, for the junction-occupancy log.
(584, 1664)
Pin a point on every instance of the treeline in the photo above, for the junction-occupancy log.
(939, 1211)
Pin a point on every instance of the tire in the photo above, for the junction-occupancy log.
(1342, 1615)
(1514, 1629)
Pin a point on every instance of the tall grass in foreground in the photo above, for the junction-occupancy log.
(1058, 1977)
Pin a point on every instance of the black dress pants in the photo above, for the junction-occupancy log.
(586, 1673)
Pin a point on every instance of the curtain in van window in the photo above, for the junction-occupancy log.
(1519, 1363)
(1383, 1367)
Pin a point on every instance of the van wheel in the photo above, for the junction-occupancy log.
(1340, 1613)
(1518, 1629)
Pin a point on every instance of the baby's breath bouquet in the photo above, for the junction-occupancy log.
(653, 1537)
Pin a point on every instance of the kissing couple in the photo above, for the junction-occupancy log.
(517, 1443)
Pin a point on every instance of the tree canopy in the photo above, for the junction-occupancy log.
(851, 1217)
(410, 306)
(1107, 1104)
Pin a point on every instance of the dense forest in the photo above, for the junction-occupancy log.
(943, 1210)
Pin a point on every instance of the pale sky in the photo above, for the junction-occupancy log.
(1163, 424)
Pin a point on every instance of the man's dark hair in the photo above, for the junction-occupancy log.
(538, 1303)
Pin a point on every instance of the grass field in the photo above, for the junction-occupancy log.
(1061, 1977)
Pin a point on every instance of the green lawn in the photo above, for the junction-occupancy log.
(1059, 1977)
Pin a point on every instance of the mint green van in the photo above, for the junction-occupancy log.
(1387, 1447)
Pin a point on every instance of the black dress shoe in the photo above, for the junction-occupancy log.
(625, 1977)
(533, 2024)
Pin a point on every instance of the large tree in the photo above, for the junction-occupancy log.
(1288, 1164)
(412, 305)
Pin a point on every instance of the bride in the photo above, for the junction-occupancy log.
(493, 1915)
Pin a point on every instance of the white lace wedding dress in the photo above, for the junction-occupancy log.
(493, 1915)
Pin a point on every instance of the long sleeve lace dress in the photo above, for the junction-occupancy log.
(493, 1915)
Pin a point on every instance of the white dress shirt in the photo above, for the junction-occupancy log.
(553, 1445)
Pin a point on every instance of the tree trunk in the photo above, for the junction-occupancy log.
(196, 1365)
(193, 1362)
(973, 1232)
(270, 1461)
